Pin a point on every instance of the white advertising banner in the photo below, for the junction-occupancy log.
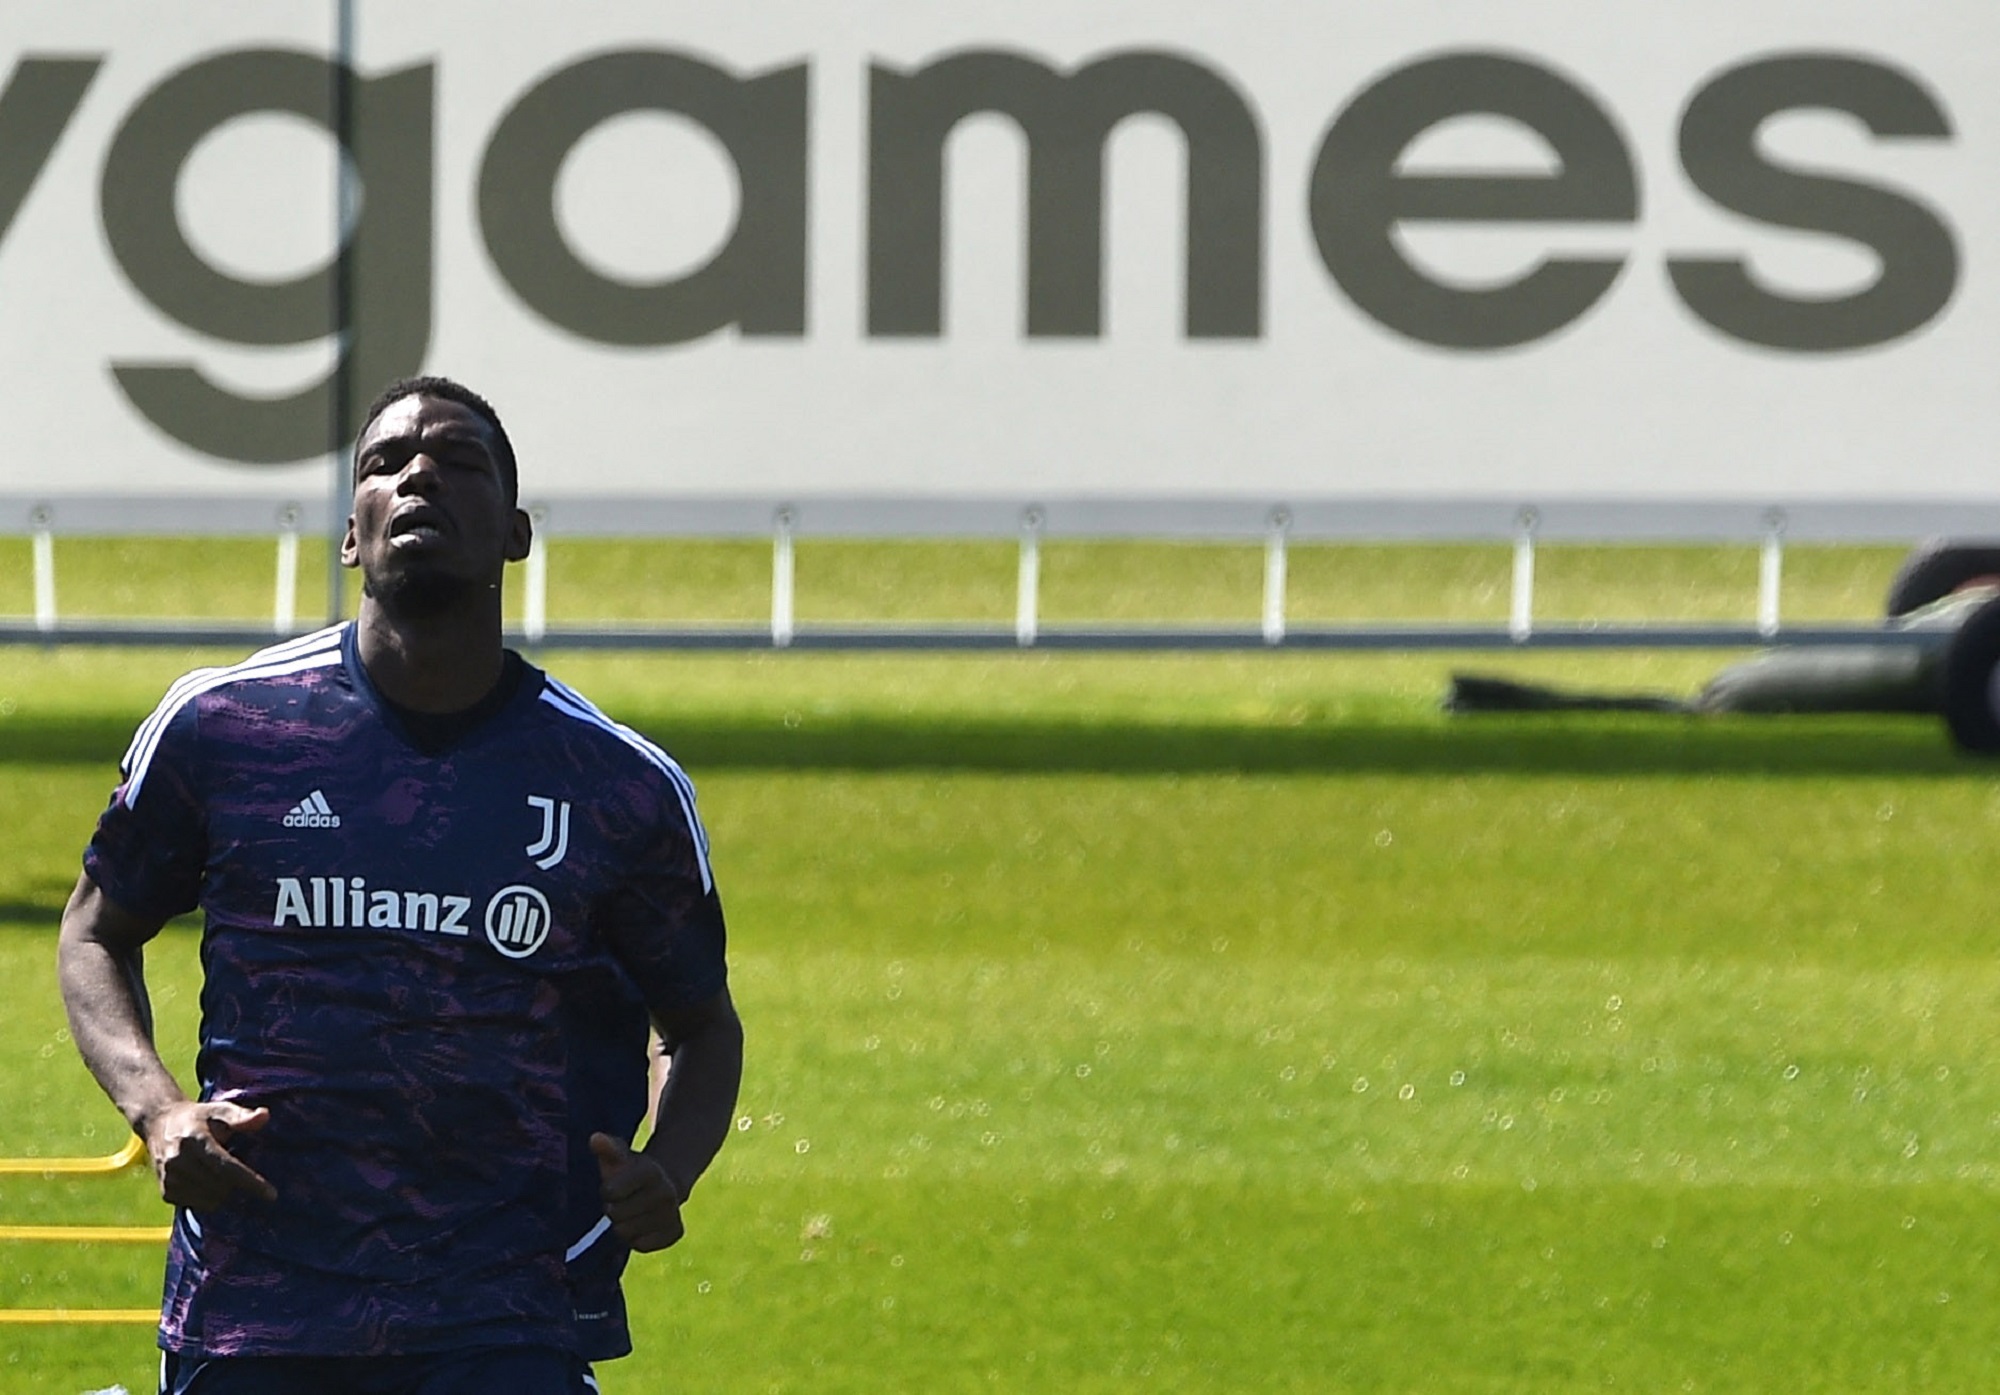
(1167, 249)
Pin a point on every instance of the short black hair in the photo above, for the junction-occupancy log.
(451, 391)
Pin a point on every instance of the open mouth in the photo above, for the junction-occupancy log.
(420, 524)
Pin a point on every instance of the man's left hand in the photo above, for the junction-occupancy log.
(640, 1199)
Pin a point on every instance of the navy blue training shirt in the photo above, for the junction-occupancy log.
(389, 935)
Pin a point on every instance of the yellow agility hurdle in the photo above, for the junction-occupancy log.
(73, 1167)
(125, 1157)
(107, 1234)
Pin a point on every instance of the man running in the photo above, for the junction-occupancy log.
(409, 846)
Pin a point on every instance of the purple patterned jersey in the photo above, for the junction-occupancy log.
(389, 936)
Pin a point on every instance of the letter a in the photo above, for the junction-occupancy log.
(292, 902)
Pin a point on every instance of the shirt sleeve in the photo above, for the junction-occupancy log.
(663, 924)
(151, 845)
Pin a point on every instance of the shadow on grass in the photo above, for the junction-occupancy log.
(40, 911)
(1569, 743)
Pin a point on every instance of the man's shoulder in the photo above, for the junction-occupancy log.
(623, 770)
(594, 735)
(288, 664)
(318, 651)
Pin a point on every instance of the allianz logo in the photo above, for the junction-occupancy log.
(517, 919)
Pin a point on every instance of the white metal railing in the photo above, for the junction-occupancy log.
(1028, 580)
(1280, 526)
(1770, 572)
(42, 520)
(1521, 608)
(1274, 575)
(284, 604)
(781, 579)
(535, 582)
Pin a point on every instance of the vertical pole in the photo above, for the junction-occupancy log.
(1521, 618)
(1028, 582)
(43, 520)
(535, 581)
(781, 580)
(1770, 572)
(1274, 575)
(285, 603)
(346, 203)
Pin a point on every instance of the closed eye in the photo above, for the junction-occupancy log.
(378, 462)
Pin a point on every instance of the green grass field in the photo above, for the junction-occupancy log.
(1231, 1023)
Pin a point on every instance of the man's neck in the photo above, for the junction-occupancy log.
(437, 663)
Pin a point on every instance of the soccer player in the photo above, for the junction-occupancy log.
(418, 858)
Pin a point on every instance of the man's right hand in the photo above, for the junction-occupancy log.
(187, 1140)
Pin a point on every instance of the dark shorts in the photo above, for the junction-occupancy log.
(480, 1371)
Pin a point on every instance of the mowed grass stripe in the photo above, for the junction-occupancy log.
(1280, 1075)
(1107, 1286)
(1521, 1070)
(1103, 1286)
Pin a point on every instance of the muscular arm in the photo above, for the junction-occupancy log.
(704, 1046)
(98, 958)
(643, 1191)
(98, 961)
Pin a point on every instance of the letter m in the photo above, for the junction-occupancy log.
(1066, 121)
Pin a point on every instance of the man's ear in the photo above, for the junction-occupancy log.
(520, 536)
(350, 549)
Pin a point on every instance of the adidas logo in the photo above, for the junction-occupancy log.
(312, 812)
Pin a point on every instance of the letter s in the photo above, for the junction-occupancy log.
(1718, 150)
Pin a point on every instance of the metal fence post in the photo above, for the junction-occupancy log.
(42, 519)
(1770, 572)
(285, 602)
(781, 578)
(1274, 574)
(535, 580)
(1028, 581)
(1521, 617)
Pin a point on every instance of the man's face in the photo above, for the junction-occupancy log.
(431, 519)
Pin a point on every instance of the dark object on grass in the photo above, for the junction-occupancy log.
(1846, 678)
(1971, 665)
(1828, 678)
(1475, 692)
(1851, 677)
(1936, 568)
(1819, 678)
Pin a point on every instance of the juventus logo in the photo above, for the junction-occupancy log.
(550, 848)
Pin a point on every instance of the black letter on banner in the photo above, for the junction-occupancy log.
(1719, 150)
(1357, 198)
(757, 281)
(1066, 121)
(35, 108)
(389, 250)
